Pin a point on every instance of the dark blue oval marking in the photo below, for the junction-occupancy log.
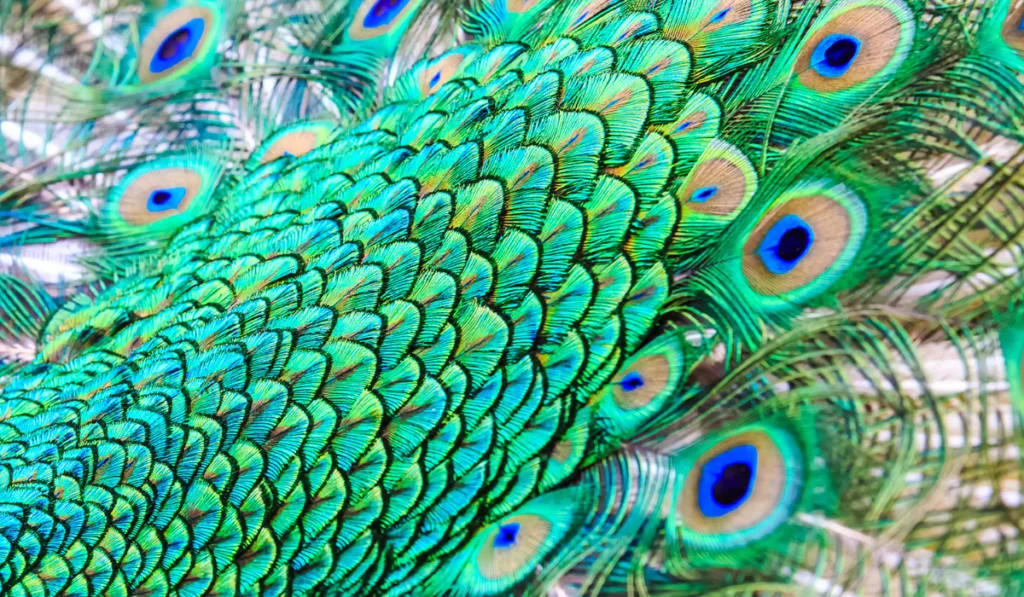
(506, 535)
(632, 381)
(727, 480)
(179, 46)
(702, 194)
(165, 199)
(835, 54)
(383, 12)
(786, 244)
(720, 15)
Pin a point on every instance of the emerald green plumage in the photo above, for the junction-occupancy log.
(506, 297)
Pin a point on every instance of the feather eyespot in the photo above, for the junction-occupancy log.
(803, 244)
(643, 385)
(855, 42)
(642, 382)
(511, 545)
(738, 487)
(179, 43)
(721, 183)
(506, 552)
(155, 198)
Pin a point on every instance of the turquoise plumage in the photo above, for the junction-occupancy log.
(596, 297)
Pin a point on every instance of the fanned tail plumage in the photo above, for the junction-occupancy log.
(680, 297)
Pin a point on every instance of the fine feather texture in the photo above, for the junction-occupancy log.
(597, 297)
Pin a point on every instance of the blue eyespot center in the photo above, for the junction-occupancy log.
(179, 46)
(727, 481)
(835, 54)
(632, 381)
(786, 244)
(720, 15)
(435, 79)
(165, 199)
(383, 12)
(506, 535)
(702, 194)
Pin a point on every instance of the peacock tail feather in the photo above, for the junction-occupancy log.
(511, 297)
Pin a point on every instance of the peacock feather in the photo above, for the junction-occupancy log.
(511, 297)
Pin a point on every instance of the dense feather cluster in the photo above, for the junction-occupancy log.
(618, 297)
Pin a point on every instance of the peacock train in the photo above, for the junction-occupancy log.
(482, 298)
